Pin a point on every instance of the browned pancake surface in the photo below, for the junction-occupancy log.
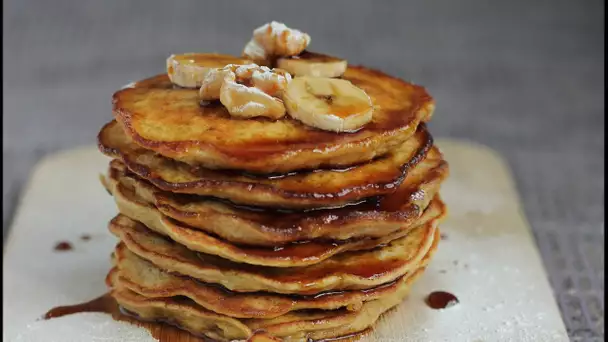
(294, 326)
(302, 253)
(146, 279)
(305, 189)
(376, 218)
(172, 122)
(346, 271)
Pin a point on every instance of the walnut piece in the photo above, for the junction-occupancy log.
(247, 90)
(274, 40)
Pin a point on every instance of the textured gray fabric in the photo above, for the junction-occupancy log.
(523, 77)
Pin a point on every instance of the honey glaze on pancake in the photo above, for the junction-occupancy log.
(270, 227)
(293, 295)
(310, 137)
(331, 275)
(292, 254)
(368, 269)
(162, 331)
(301, 189)
(385, 179)
(389, 202)
(143, 278)
(172, 122)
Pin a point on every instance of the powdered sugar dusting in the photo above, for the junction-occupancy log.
(247, 90)
(275, 29)
(255, 51)
(247, 69)
(93, 327)
(489, 262)
(243, 101)
(268, 75)
(250, 107)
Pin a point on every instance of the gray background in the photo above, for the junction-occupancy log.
(523, 77)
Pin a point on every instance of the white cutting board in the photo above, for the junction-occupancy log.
(488, 260)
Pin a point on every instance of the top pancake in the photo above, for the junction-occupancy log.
(172, 122)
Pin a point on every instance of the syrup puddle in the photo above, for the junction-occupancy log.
(106, 304)
(63, 246)
(441, 300)
(162, 331)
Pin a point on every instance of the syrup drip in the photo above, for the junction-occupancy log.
(104, 303)
(63, 246)
(162, 331)
(441, 300)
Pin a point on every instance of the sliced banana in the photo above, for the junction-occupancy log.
(189, 70)
(328, 103)
(313, 64)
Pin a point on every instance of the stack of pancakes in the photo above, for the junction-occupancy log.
(231, 226)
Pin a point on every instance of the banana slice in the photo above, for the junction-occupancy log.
(313, 64)
(188, 70)
(328, 103)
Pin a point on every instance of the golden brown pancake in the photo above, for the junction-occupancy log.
(172, 122)
(312, 189)
(294, 326)
(296, 254)
(374, 219)
(144, 278)
(346, 271)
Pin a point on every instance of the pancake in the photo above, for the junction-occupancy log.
(145, 279)
(346, 271)
(295, 326)
(373, 219)
(312, 189)
(295, 254)
(290, 255)
(172, 122)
